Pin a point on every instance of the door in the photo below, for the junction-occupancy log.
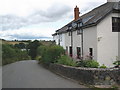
(78, 52)
(66, 50)
(91, 53)
(70, 48)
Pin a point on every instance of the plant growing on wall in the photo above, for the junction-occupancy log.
(103, 66)
(117, 62)
(88, 63)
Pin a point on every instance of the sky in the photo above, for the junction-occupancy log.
(38, 19)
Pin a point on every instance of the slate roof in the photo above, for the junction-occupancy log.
(93, 17)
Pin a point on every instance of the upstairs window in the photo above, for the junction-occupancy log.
(79, 32)
(69, 33)
(115, 24)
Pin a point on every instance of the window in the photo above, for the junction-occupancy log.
(91, 53)
(115, 24)
(79, 32)
(78, 52)
(69, 33)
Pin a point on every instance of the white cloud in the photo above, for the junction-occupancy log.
(25, 7)
(24, 33)
(52, 14)
(18, 18)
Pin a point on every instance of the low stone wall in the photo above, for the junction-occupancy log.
(91, 76)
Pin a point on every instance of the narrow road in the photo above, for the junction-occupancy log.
(29, 74)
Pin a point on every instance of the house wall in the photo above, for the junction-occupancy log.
(62, 40)
(90, 41)
(76, 43)
(108, 44)
(56, 38)
(101, 38)
(67, 41)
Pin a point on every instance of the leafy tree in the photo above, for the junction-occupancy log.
(20, 45)
(32, 46)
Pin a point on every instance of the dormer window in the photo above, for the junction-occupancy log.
(115, 24)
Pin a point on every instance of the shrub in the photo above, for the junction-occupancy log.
(88, 63)
(103, 66)
(11, 54)
(66, 60)
(50, 54)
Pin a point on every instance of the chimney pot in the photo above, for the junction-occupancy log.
(76, 13)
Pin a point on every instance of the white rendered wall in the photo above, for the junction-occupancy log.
(90, 41)
(108, 44)
(76, 43)
(67, 41)
(56, 38)
(64, 40)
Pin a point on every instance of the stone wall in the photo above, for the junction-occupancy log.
(91, 76)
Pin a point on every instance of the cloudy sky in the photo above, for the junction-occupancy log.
(38, 19)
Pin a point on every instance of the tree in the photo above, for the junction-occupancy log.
(32, 46)
(20, 45)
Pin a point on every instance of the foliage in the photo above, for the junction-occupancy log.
(11, 54)
(88, 63)
(117, 62)
(20, 45)
(50, 54)
(38, 58)
(32, 46)
(103, 66)
(66, 60)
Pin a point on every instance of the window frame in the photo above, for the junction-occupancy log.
(69, 33)
(115, 24)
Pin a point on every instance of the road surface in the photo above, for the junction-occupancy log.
(30, 74)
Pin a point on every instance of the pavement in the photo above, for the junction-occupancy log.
(30, 74)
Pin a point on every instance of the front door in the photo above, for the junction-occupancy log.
(78, 52)
(91, 53)
(70, 48)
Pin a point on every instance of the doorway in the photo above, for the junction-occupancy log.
(78, 52)
(70, 48)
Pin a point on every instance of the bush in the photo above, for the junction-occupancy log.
(11, 54)
(88, 63)
(66, 60)
(50, 54)
(103, 66)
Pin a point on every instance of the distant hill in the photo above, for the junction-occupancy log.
(11, 42)
(2, 41)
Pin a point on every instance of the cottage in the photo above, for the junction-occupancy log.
(93, 35)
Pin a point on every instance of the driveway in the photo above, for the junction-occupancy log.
(30, 74)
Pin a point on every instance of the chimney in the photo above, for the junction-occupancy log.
(113, 0)
(76, 13)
